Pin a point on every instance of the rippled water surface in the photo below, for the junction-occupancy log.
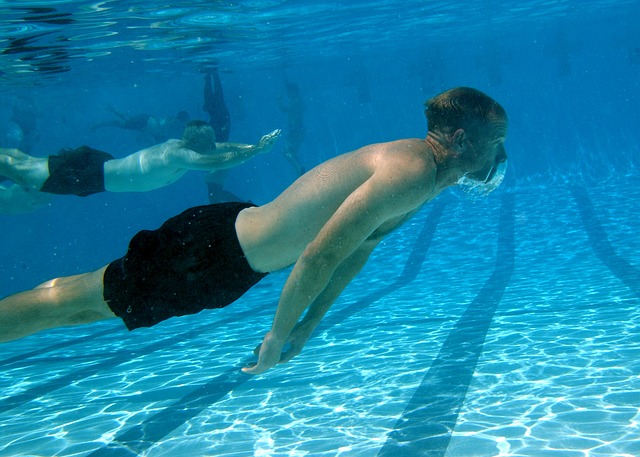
(56, 36)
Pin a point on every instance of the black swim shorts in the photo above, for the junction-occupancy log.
(192, 262)
(77, 171)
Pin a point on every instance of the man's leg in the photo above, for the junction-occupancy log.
(60, 302)
(23, 169)
(9, 167)
(15, 153)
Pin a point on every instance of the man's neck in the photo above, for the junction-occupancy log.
(447, 173)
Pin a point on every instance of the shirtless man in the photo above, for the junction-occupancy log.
(327, 223)
(85, 171)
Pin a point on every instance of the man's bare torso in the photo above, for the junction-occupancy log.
(148, 169)
(274, 235)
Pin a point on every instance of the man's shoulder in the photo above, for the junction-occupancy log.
(407, 170)
(411, 156)
(172, 146)
(403, 149)
(413, 144)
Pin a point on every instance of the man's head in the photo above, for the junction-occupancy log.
(473, 127)
(465, 108)
(200, 137)
(183, 116)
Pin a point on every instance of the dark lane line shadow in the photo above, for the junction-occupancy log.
(621, 269)
(22, 359)
(139, 438)
(426, 425)
(122, 356)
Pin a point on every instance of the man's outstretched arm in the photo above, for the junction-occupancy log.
(343, 275)
(228, 155)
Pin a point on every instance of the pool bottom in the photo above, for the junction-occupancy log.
(556, 373)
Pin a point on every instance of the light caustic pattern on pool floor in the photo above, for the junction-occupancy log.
(387, 373)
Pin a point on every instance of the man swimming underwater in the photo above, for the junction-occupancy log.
(326, 224)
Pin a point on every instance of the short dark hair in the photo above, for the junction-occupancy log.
(199, 136)
(198, 123)
(463, 108)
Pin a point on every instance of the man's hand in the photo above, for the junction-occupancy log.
(267, 141)
(268, 357)
(298, 338)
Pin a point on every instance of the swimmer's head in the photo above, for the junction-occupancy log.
(468, 109)
(200, 137)
(183, 116)
(473, 127)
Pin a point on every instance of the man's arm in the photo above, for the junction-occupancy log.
(228, 155)
(391, 193)
(343, 275)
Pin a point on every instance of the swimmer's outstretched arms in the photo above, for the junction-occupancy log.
(84, 171)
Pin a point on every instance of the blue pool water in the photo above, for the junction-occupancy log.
(501, 326)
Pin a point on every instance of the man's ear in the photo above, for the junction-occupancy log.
(459, 140)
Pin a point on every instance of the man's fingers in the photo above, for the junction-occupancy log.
(252, 370)
(289, 354)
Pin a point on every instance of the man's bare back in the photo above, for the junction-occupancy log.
(145, 170)
(274, 235)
